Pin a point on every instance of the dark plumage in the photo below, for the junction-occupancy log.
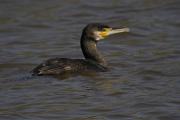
(57, 66)
(93, 61)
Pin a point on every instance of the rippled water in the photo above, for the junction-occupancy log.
(144, 82)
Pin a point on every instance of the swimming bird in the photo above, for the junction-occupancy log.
(93, 62)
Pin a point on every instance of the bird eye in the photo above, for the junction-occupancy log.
(103, 27)
(100, 28)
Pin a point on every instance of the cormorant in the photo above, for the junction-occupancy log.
(93, 61)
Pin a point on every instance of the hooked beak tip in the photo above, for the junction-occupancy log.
(126, 29)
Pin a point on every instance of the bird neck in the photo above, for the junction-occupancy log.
(90, 51)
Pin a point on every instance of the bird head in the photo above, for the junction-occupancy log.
(98, 31)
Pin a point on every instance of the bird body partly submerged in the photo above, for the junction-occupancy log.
(93, 62)
(57, 66)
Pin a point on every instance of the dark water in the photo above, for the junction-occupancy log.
(144, 83)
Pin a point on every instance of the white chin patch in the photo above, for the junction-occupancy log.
(97, 36)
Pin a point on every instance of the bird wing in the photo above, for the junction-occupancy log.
(53, 66)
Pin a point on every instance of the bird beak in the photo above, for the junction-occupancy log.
(111, 31)
(115, 31)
